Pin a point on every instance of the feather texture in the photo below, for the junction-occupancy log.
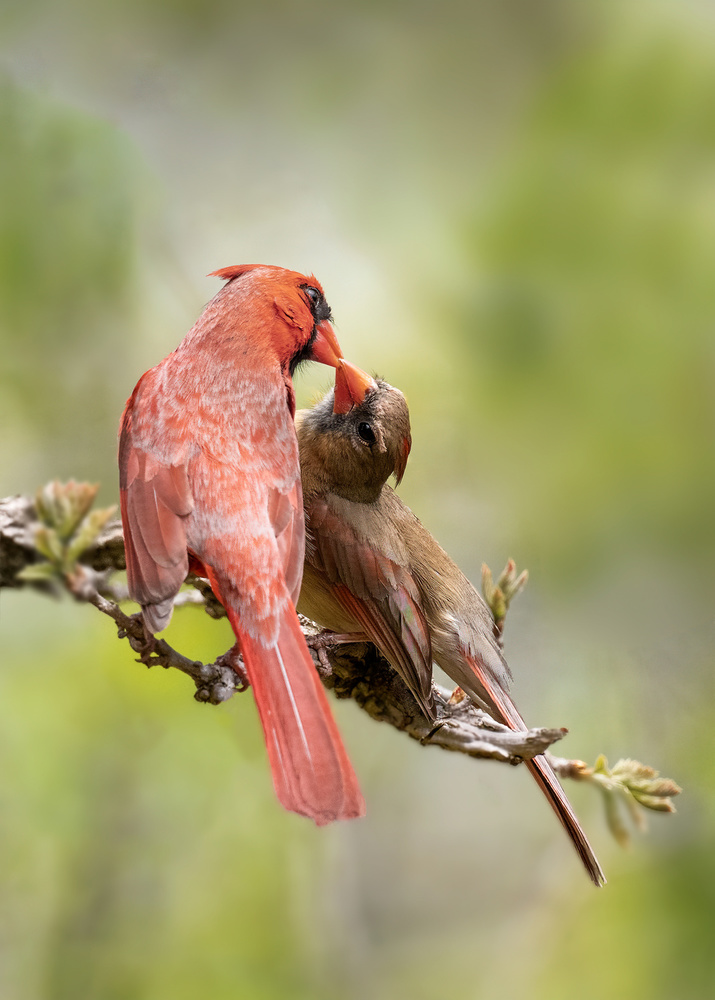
(371, 566)
(374, 589)
(209, 476)
(302, 738)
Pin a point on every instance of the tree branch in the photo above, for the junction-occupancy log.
(56, 542)
(355, 670)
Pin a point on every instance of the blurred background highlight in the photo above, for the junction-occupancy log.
(511, 207)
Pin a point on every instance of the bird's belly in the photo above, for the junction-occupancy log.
(317, 602)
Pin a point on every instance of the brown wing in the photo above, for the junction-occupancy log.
(155, 498)
(378, 591)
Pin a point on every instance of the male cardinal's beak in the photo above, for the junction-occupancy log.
(351, 386)
(325, 347)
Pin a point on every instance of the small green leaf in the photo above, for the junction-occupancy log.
(62, 506)
(614, 818)
(500, 594)
(487, 584)
(498, 605)
(634, 787)
(87, 534)
(38, 573)
(637, 814)
(48, 544)
(653, 802)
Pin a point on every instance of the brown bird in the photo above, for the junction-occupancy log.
(371, 567)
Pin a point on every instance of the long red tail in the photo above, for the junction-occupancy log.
(506, 712)
(312, 774)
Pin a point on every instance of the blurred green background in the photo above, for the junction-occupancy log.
(512, 209)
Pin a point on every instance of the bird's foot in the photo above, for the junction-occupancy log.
(326, 638)
(234, 660)
(143, 642)
(439, 723)
(321, 642)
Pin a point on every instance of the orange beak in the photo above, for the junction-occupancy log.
(351, 386)
(326, 348)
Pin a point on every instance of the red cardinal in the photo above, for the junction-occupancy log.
(373, 568)
(209, 472)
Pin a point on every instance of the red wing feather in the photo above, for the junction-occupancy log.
(285, 511)
(155, 499)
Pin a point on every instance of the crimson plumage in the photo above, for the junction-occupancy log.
(209, 471)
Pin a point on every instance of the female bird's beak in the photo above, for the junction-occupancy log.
(325, 347)
(351, 386)
(401, 462)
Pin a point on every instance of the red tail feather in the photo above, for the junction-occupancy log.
(311, 771)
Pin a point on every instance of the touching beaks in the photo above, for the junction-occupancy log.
(352, 384)
(325, 347)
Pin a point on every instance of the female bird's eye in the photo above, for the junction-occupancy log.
(366, 433)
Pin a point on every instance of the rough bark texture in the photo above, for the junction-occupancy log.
(57, 543)
(354, 670)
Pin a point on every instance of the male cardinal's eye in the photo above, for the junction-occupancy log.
(366, 433)
(318, 306)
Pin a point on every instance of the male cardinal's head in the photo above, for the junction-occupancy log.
(288, 309)
(359, 445)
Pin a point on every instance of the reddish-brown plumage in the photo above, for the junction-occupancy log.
(209, 475)
(373, 568)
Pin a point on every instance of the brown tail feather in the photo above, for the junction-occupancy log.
(505, 711)
(549, 784)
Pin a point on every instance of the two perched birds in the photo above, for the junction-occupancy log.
(211, 454)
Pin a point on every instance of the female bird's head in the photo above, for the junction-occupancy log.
(356, 437)
(285, 311)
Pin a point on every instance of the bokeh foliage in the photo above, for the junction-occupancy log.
(66, 270)
(511, 207)
(591, 332)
